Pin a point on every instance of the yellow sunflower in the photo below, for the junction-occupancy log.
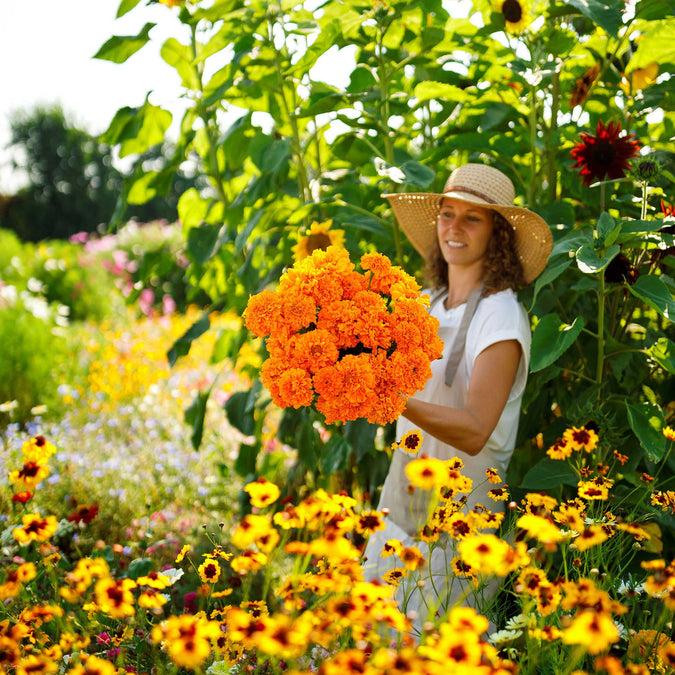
(318, 236)
(515, 13)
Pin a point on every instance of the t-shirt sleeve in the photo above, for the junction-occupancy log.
(499, 318)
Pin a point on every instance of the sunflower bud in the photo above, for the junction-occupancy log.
(646, 169)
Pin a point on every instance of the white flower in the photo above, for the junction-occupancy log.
(172, 575)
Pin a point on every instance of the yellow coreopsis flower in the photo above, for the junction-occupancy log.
(209, 571)
(93, 665)
(426, 473)
(114, 597)
(262, 492)
(593, 630)
(35, 528)
(188, 639)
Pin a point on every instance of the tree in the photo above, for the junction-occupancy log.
(72, 181)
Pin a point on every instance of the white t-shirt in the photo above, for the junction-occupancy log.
(498, 317)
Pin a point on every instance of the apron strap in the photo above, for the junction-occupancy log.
(460, 339)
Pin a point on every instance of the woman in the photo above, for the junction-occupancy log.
(480, 248)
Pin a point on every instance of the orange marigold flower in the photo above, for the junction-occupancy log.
(314, 350)
(295, 388)
(262, 313)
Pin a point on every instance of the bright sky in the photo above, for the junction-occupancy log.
(46, 49)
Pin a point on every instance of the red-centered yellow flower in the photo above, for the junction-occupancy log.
(669, 433)
(548, 597)
(547, 633)
(485, 554)
(35, 528)
(581, 438)
(29, 475)
(10, 653)
(461, 568)
(561, 449)
(150, 599)
(591, 536)
(593, 490)
(187, 638)
(251, 529)
(93, 665)
(394, 576)
(319, 236)
(155, 580)
(530, 580)
(391, 547)
(289, 518)
(183, 552)
(262, 492)
(410, 442)
(36, 664)
(593, 630)
(664, 500)
(209, 571)
(540, 528)
(26, 572)
(248, 561)
(369, 522)
(499, 494)
(114, 597)
(38, 449)
(492, 475)
(412, 558)
(426, 473)
(570, 515)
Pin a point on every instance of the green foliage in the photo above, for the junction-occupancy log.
(34, 354)
(422, 92)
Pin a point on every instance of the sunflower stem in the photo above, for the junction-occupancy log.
(533, 156)
(601, 327)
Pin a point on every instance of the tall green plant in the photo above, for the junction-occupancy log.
(425, 91)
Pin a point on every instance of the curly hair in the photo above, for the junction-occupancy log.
(502, 266)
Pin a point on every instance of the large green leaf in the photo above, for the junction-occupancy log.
(120, 47)
(552, 337)
(605, 14)
(245, 463)
(125, 6)
(655, 293)
(202, 242)
(656, 46)
(551, 273)
(417, 174)
(646, 421)
(137, 129)
(549, 473)
(180, 57)
(194, 416)
(192, 208)
(307, 441)
(182, 345)
(426, 91)
(240, 408)
(589, 262)
(335, 455)
(361, 436)
(663, 352)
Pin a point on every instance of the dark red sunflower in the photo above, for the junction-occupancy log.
(605, 154)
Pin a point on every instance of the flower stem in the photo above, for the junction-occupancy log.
(601, 327)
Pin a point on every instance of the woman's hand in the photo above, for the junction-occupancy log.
(469, 428)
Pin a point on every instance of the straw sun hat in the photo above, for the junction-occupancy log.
(417, 214)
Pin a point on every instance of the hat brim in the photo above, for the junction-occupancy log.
(417, 214)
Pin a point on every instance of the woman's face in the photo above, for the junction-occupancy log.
(464, 231)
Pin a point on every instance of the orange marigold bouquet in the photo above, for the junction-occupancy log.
(354, 345)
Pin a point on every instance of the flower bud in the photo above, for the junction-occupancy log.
(646, 169)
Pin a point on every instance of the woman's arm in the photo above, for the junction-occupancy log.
(469, 428)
